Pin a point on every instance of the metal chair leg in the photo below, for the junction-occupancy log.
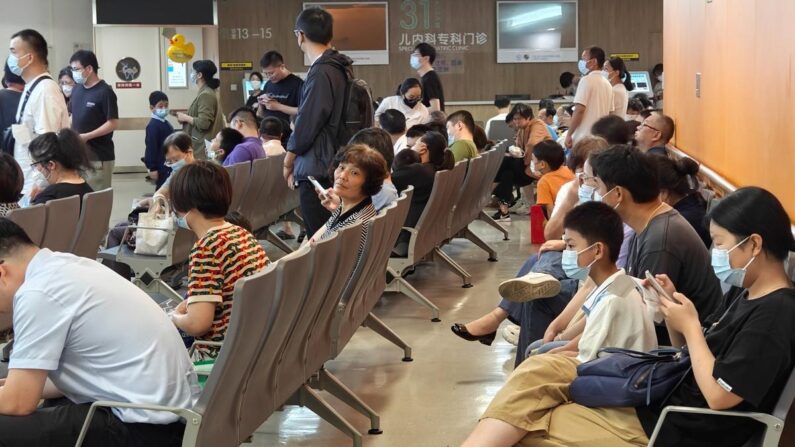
(309, 398)
(271, 237)
(454, 266)
(400, 285)
(332, 384)
(380, 328)
(475, 239)
(486, 218)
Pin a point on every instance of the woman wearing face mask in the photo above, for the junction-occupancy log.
(179, 153)
(408, 101)
(204, 118)
(255, 78)
(61, 158)
(616, 72)
(741, 364)
(67, 82)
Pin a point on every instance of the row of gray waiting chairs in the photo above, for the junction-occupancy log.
(457, 199)
(262, 196)
(287, 322)
(67, 225)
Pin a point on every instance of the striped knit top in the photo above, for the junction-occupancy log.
(224, 255)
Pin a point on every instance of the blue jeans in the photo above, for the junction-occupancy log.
(542, 347)
(535, 316)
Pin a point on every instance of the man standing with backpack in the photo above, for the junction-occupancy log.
(318, 125)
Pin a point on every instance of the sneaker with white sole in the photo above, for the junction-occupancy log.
(511, 334)
(529, 287)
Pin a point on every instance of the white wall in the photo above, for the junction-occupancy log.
(66, 24)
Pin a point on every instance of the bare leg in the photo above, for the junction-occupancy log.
(487, 323)
(494, 433)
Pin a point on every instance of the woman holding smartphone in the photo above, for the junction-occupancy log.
(741, 364)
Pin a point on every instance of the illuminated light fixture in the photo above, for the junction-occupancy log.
(549, 12)
(551, 29)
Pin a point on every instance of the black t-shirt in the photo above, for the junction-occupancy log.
(91, 108)
(287, 91)
(670, 245)
(754, 349)
(694, 209)
(422, 176)
(9, 102)
(62, 190)
(251, 102)
(432, 89)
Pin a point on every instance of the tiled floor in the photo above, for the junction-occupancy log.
(434, 400)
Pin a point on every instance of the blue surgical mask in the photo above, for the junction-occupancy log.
(582, 66)
(13, 65)
(415, 62)
(605, 75)
(193, 78)
(77, 75)
(450, 140)
(570, 266)
(182, 221)
(723, 269)
(175, 166)
(586, 193)
(161, 113)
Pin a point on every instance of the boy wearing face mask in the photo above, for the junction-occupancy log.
(614, 311)
(157, 131)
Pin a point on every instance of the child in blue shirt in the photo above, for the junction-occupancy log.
(156, 132)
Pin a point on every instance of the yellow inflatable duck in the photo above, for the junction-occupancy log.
(180, 51)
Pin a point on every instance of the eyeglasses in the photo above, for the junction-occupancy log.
(40, 162)
(646, 125)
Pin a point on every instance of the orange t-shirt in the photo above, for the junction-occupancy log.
(549, 184)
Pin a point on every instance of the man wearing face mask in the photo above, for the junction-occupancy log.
(9, 97)
(95, 115)
(460, 128)
(664, 241)
(313, 144)
(42, 108)
(432, 92)
(244, 121)
(280, 92)
(594, 98)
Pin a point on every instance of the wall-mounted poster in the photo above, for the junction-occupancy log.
(177, 74)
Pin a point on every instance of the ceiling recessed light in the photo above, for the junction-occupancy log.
(551, 29)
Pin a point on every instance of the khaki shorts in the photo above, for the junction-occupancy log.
(536, 399)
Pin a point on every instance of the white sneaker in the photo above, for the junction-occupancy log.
(529, 287)
(522, 210)
(511, 334)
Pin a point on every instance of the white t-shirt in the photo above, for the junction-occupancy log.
(596, 94)
(44, 112)
(616, 317)
(418, 115)
(273, 148)
(401, 143)
(499, 117)
(563, 192)
(620, 100)
(100, 337)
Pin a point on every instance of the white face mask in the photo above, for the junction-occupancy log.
(67, 90)
(256, 85)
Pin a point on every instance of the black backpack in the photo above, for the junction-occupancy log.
(357, 111)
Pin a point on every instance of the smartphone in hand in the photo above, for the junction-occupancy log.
(656, 286)
(320, 189)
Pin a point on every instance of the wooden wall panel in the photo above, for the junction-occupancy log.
(616, 25)
(743, 50)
